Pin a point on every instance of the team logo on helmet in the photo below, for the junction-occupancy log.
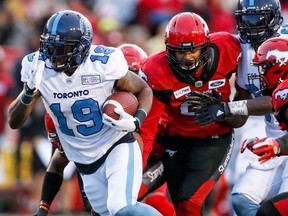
(282, 94)
(281, 57)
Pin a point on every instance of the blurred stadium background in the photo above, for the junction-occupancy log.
(25, 153)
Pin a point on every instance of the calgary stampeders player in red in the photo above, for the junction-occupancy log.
(271, 59)
(195, 69)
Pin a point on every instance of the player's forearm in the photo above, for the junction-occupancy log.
(18, 112)
(145, 95)
(145, 98)
(251, 106)
(236, 121)
(259, 106)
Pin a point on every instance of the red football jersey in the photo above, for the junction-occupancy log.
(170, 108)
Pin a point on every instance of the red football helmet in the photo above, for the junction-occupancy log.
(272, 60)
(186, 32)
(279, 102)
(134, 55)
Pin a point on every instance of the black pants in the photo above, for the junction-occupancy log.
(276, 206)
(189, 163)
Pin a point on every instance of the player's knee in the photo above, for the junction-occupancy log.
(243, 206)
(139, 209)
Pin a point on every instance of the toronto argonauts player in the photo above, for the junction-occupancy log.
(74, 78)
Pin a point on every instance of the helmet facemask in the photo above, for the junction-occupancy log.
(187, 68)
(62, 54)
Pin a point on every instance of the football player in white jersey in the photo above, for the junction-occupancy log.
(74, 78)
(257, 21)
(271, 59)
(53, 178)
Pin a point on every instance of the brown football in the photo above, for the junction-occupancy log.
(122, 98)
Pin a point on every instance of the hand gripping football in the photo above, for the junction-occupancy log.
(123, 99)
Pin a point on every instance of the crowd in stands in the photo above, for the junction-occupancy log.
(25, 153)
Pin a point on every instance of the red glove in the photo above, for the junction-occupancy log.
(246, 142)
(54, 139)
(52, 135)
(266, 148)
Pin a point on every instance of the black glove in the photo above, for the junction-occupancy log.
(40, 212)
(204, 99)
(211, 114)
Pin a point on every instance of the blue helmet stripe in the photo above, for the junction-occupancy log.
(251, 3)
(56, 21)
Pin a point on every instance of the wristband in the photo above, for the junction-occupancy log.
(27, 96)
(29, 91)
(238, 107)
(140, 115)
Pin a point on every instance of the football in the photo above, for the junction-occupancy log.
(120, 99)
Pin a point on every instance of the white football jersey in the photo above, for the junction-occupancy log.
(75, 102)
(246, 70)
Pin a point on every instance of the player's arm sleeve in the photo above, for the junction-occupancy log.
(235, 52)
(116, 66)
(149, 128)
(25, 70)
(231, 50)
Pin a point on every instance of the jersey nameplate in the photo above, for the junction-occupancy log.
(179, 93)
